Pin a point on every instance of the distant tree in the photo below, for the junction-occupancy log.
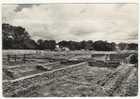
(46, 44)
(83, 44)
(122, 46)
(103, 46)
(63, 43)
(50, 44)
(132, 46)
(7, 43)
(72, 45)
(99, 46)
(78, 46)
(40, 44)
(89, 45)
(113, 46)
(29, 44)
(16, 37)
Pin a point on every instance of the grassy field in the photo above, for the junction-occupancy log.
(47, 73)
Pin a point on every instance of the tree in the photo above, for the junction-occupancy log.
(89, 45)
(132, 46)
(63, 43)
(40, 44)
(46, 44)
(83, 44)
(16, 37)
(122, 46)
(103, 46)
(75, 45)
(50, 44)
(134, 59)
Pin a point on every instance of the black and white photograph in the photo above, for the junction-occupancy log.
(69, 50)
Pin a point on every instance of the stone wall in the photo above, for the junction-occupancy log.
(22, 85)
(104, 64)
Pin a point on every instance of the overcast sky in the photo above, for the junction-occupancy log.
(112, 22)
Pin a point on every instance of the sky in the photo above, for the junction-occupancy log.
(111, 22)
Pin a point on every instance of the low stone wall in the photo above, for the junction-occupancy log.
(14, 87)
(104, 64)
(15, 72)
(115, 80)
(129, 86)
(70, 62)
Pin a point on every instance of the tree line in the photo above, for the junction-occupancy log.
(16, 37)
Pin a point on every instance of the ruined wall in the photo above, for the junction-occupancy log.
(104, 64)
(33, 82)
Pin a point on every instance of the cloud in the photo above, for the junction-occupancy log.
(111, 22)
(8, 13)
(19, 8)
(22, 6)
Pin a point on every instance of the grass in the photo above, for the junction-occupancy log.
(81, 81)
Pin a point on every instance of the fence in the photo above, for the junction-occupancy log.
(16, 57)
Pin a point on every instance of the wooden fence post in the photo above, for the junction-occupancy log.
(15, 58)
(8, 58)
(24, 58)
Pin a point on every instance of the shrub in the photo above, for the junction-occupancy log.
(134, 59)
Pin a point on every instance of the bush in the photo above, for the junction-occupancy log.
(134, 59)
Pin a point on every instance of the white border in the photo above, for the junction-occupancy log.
(69, 1)
(64, 1)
